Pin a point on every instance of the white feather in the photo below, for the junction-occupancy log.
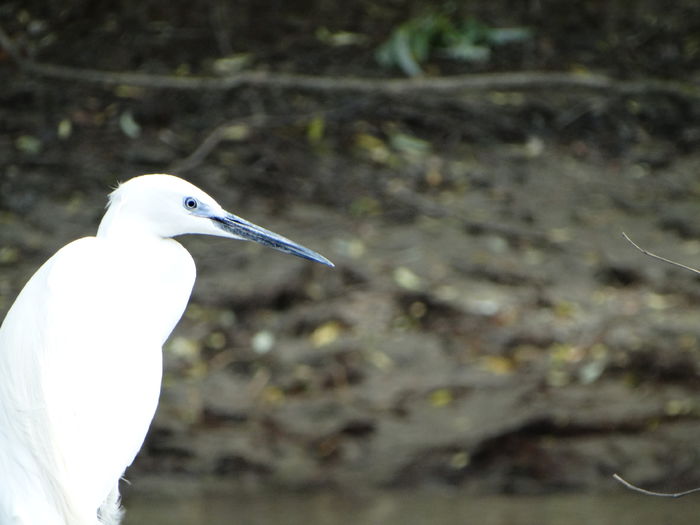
(80, 362)
(92, 321)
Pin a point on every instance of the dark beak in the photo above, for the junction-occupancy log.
(248, 231)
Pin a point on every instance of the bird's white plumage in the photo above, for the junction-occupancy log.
(80, 361)
(80, 350)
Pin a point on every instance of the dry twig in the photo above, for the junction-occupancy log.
(617, 476)
(210, 142)
(257, 120)
(658, 257)
(635, 488)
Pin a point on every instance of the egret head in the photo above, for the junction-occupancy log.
(167, 206)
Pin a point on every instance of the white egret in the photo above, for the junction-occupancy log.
(81, 350)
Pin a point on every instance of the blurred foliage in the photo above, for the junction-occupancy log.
(467, 40)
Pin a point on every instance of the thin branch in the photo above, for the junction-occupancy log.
(218, 134)
(658, 257)
(617, 476)
(257, 120)
(210, 142)
(635, 488)
(518, 81)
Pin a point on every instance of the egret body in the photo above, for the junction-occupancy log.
(81, 350)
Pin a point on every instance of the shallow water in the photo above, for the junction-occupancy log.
(411, 508)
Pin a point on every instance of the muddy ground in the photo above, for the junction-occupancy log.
(486, 324)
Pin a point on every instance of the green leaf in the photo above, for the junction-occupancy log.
(507, 35)
(404, 54)
(28, 144)
(397, 52)
(315, 130)
(128, 125)
(467, 51)
(469, 40)
(409, 144)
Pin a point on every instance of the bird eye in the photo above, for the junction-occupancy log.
(190, 203)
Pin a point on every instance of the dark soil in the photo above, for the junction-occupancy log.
(486, 325)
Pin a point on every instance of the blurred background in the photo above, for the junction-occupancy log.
(469, 167)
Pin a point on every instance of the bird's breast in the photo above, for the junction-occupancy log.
(153, 289)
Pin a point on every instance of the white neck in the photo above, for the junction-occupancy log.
(118, 224)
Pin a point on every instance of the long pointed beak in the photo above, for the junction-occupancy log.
(248, 231)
